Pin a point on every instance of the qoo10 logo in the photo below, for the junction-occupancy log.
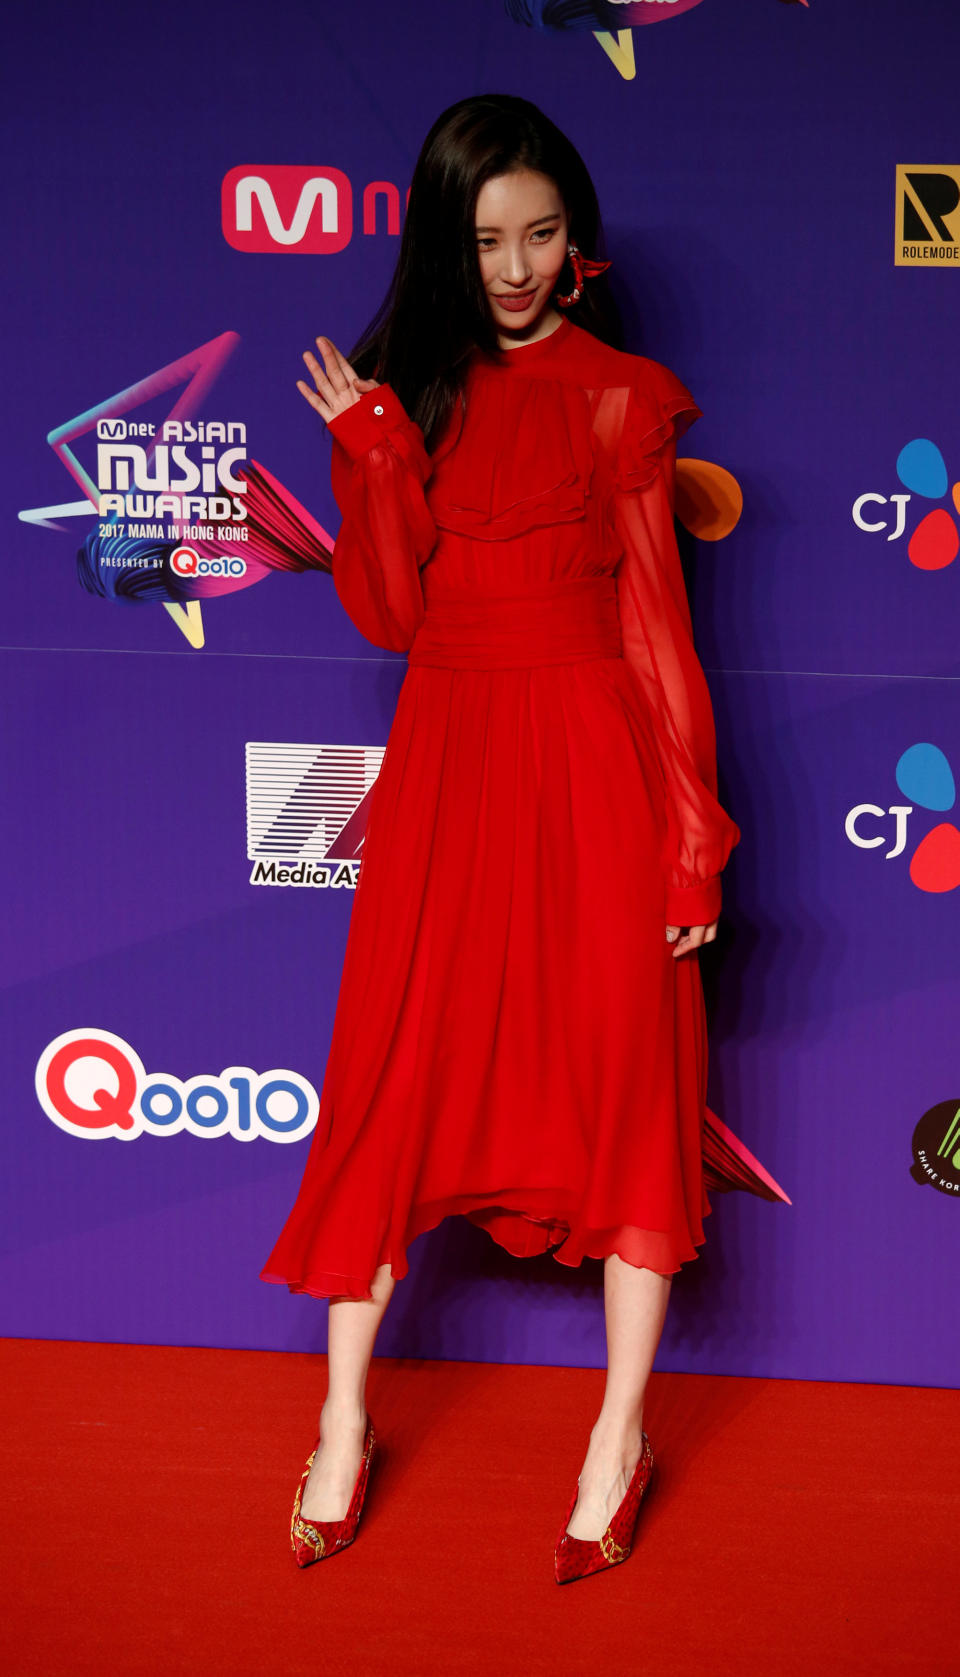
(92, 1084)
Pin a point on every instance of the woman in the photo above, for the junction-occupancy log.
(519, 1034)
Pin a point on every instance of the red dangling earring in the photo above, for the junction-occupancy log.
(583, 267)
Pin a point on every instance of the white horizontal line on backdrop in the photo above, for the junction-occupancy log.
(335, 658)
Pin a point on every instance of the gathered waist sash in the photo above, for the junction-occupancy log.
(555, 622)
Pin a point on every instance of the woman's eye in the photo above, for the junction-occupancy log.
(541, 236)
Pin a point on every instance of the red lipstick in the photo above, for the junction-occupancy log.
(515, 301)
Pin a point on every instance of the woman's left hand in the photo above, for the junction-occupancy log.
(692, 937)
(337, 385)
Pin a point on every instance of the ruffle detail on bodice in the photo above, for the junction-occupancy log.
(523, 458)
(659, 407)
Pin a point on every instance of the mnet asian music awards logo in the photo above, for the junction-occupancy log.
(936, 1148)
(93, 1085)
(927, 233)
(307, 808)
(924, 777)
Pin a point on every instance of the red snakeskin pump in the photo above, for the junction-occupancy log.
(576, 1557)
(315, 1540)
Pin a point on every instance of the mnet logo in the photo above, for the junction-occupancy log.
(286, 207)
(93, 1085)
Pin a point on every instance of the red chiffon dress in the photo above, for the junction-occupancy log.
(514, 1040)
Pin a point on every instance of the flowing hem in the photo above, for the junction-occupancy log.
(527, 1228)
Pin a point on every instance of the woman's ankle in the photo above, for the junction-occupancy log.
(346, 1412)
(618, 1432)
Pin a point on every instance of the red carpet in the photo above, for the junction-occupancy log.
(795, 1527)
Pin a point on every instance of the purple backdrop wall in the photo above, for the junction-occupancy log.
(747, 170)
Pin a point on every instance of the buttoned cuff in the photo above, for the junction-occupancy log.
(360, 427)
(694, 905)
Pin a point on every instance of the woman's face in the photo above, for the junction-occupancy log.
(521, 247)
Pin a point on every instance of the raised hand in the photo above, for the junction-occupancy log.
(337, 387)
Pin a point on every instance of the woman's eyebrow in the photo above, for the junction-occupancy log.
(553, 216)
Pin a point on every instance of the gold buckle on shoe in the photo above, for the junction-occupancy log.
(611, 1551)
(308, 1535)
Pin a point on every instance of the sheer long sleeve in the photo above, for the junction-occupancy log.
(379, 468)
(658, 645)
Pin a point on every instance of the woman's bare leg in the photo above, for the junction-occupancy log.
(635, 1305)
(352, 1330)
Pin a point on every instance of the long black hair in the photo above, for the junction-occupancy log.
(436, 310)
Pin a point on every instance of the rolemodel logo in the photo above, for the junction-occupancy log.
(927, 215)
(285, 207)
(307, 808)
(936, 1148)
(92, 1084)
(933, 542)
(924, 776)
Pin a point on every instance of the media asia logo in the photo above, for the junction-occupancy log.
(924, 776)
(307, 809)
(934, 541)
(936, 1148)
(93, 1085)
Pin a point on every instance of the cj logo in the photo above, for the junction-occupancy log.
(935, 541)
(924, 777)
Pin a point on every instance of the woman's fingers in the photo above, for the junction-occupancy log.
(692, 938)
(319, 376)
(327, 397)
(329, 379)
(336, 386)
(341, 372)
(316, 401)
(334, 365)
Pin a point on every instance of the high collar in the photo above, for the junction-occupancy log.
(522, 354)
